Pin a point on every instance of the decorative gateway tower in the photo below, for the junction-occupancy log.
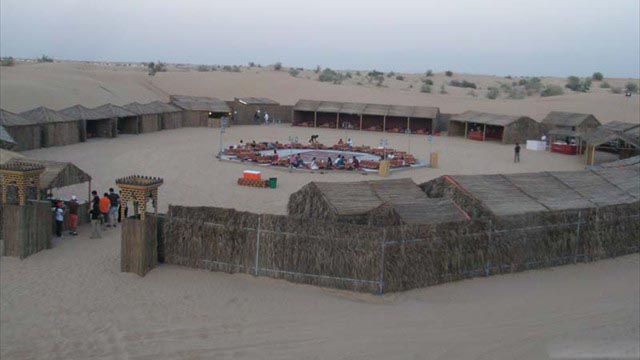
(27, 223)
(139, 247)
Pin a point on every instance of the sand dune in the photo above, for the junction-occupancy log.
(60, 85)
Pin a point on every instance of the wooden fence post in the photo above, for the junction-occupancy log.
(575, 255)
(381, 279)
(257, 268)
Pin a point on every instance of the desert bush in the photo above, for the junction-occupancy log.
(380, 82)
(425, 89)
(252, 64)
(443, 90)
(463, 84)
(317, 70)
(493, 92)
(45, 58)
(551, 90)
(516, 93)
(328, 75)
(228, 68)
(616, 90)
(472, 93)
(508, 77)
(358, 73)
(375, 76)
(505, 87)
(631, 87)
(448, 73)
(428, 81)
(294, 72)
(400, 77)
(605, 85)
(8, 61)
(203, 68)
(348, 75)
(597, 76)
(574, 83)
(390, 74)
(429, 72)
(277, 66)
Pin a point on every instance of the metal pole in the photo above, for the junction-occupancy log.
(257, 271)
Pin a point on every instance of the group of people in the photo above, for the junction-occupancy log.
(258, 116)
(296, 162)
(104, 212)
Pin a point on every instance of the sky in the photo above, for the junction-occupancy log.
(499, 37)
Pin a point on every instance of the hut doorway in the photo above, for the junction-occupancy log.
(396, 124)
(350, 121)
(372, 122)
(128, 125)
(494, 133)
(420, 126)
(304, 118)
(327, 120)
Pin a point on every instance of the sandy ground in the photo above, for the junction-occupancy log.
(59, 85)
(72, 302)
(185, 159)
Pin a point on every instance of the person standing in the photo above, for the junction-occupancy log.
(59, 216)
(114, 198)
(96, 229)
(516, 155)
(73, 215)
(266, 118)
(104, 207)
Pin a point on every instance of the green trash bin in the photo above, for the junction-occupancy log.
(273, 182)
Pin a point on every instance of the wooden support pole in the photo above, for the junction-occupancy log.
(409, 124)
(484, 132)
(315, 119)
(384, 123)
(360, 122)
(466, 129)
(338, 121)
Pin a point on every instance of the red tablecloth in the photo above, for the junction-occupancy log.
(476, 135)
(564, 149)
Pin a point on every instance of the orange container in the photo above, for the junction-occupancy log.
(251, 175)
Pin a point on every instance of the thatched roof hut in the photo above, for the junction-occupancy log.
(619, 140)
(170, 116)
(125, 120)
(148, 119)
(25, 132)
(518, 194)
(6, 140)
(562, 125)
(8, 155)
(200, 111)
(93, 123)
(57, 174)
(508, 129)
(378, 203)
(58, 129)
(363, 116)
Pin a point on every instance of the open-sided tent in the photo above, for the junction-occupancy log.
(200, 111)
(92, 123)
(570, 127)
(25, 132)
(508, 129)
(126, 121)
(58, 129)
(6, 140)
(58, 174)
(363, 116)
(613, 141)
(379, 203)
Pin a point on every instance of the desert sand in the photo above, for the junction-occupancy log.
(58, 85)
(72, 301)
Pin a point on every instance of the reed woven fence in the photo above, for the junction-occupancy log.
(398, 258)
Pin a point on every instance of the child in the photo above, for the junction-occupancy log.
(73, 215)
(59, 216)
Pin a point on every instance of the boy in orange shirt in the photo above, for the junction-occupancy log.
(105, 204)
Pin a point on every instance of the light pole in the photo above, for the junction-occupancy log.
(223, 125)
(408, 132)
(383, 144)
